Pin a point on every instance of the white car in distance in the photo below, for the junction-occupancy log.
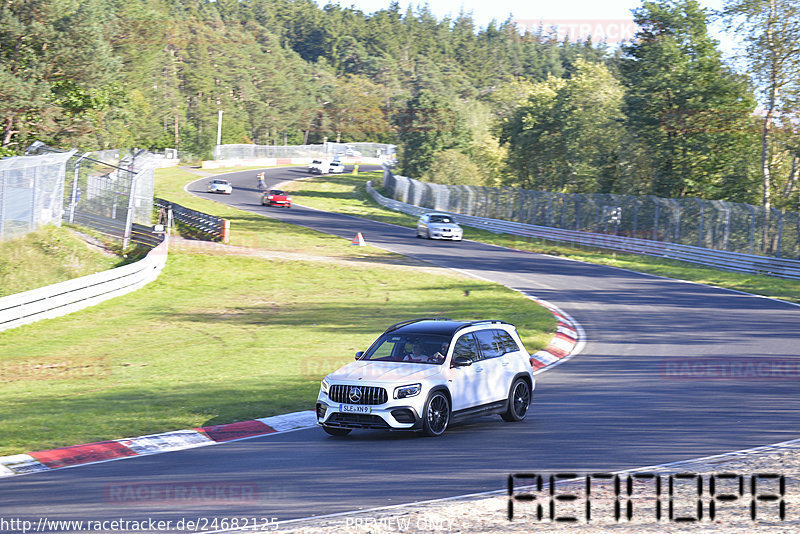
(220, 186)
(439, 226)
(424, 374)
(319, 166)
(336, 167)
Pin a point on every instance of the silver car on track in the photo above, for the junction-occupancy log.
(439, 226)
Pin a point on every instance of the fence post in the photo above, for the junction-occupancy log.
(74, 197)
(34, 195)
(655, 222)
(2, 203)
(226, 231)
(702, 220)
(752, 226)
(677, 220)
(126, 238)
(727, 232)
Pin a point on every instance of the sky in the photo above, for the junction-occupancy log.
(609, 16)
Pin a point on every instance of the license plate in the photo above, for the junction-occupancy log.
(354, 408)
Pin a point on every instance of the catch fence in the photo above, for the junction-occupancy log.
(31, 192)
(711, 224)
(110, 191)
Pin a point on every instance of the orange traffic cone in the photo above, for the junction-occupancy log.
(359, 240)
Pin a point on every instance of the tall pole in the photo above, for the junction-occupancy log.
(219, 128)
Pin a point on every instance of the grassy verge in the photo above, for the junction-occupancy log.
(48, 256)
(347, 194)
(220, 338)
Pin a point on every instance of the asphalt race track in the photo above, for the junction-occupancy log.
(617, 405)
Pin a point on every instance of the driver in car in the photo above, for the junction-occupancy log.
(417, 353)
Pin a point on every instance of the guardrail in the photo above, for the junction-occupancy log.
(713, 258)
(215, 227)
(141, 234)
(72, 295)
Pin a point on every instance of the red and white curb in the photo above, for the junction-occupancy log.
(565, 344)
(104, 451)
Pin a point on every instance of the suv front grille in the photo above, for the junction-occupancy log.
(354, 420)
(366, 394)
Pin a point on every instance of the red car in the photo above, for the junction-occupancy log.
(276, 197)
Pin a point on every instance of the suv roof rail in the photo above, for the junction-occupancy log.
(482, 321)
(411, 321)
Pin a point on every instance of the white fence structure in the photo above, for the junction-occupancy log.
(31, 192)
(271, 155)
(73, 295)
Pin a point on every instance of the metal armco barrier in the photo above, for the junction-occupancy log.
(215, 227)
(140, 234)
(713, 258)
(73, 295)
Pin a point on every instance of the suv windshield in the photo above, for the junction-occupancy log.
(411, 348)
(440, 219)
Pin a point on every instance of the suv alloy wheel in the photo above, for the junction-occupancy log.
(437, 414)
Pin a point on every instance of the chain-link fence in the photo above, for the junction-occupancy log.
(367, 150)
(31, 192)
(713, 224)
(47, 185)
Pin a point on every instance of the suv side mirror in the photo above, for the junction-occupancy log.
(462, 361)
(359, 354)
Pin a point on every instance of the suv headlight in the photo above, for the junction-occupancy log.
(325, 387)
(411, 390)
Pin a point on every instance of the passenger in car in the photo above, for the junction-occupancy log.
(417, 353)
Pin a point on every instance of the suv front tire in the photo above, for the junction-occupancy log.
(437, 414)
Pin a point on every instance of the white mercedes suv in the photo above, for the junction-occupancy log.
(425, 374)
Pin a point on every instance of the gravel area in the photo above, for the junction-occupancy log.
(489, 513)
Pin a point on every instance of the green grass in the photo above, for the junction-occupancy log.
(219, 338)
(48, 256)
(347, 194)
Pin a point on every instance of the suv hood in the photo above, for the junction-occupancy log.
(388, 372)
(441, 226)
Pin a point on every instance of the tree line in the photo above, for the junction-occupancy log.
(664, 114)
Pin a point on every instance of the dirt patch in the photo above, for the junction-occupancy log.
(191, 246)
(94, 243)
